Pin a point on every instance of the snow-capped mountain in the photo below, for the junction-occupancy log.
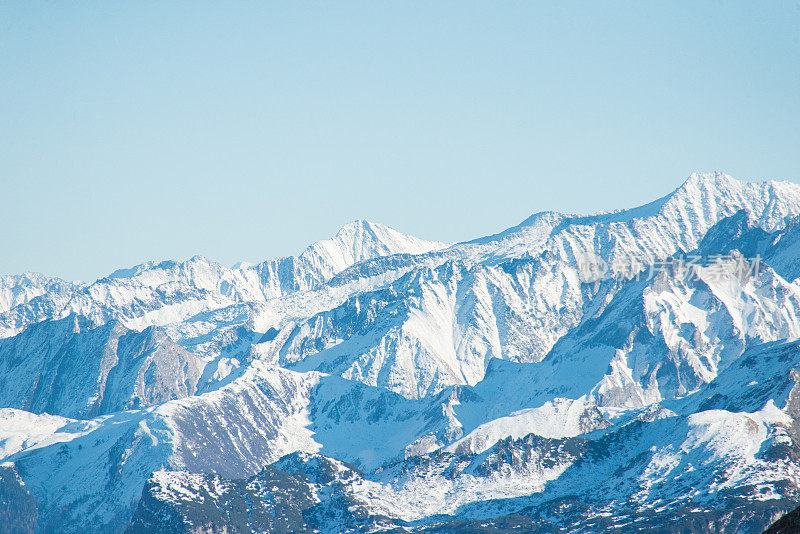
(155, 294)
(619, 372)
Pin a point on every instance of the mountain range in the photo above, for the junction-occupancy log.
(629, 371)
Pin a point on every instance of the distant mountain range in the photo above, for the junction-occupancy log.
(630, 371)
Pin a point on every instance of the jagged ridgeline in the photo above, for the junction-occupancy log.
(630, 371)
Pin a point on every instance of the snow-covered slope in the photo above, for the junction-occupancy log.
(620, 371)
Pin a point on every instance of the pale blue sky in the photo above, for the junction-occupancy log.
(132, 131)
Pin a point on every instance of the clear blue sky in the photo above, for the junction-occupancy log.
(132, 131)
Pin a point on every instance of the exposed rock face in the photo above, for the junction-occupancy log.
(18, 510)
(788, 524)
(272, 501)
(68, 367)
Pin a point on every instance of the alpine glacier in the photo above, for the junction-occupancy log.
(628, 371)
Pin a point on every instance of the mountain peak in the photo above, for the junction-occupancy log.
(707, 187)
(361, 230)
(707, 198)
(362, 240)
(360, 224)
(720, 183)
(708, 179)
